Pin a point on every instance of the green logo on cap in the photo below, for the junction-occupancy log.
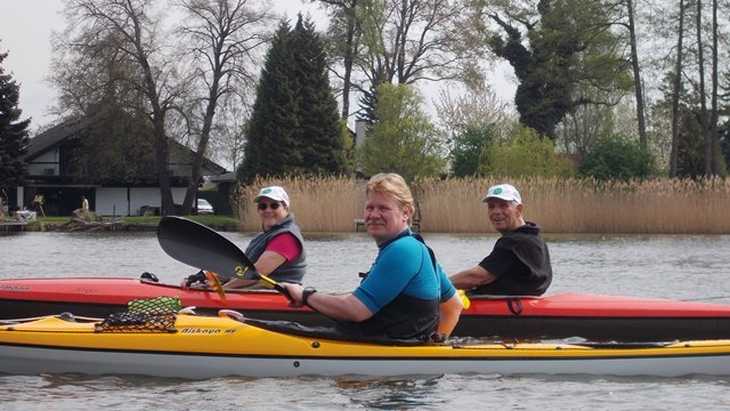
(266, 191)
(497, 190)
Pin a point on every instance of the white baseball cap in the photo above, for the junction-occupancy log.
(275, 193)
(506, 192)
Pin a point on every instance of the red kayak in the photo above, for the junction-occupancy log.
(596, 317)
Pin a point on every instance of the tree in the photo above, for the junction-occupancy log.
(13, 133)
(701, 89)
(319, 132)
(269, 148)
(222, 36)
(406, 41)
(294, 128)
(617, 157)
(402, 140)
(714, 164)
(587, 124)
(116, 144)
(691, 158)
(724, 137)
(636, 69)
(369, 99)
(471, 122)
(343, 35)
(113, 147)
(694, 39)
(101, 33)
(230, 130)
(676, 91)
(553, 48)
(469, 149)
(719, 165)
(526, 154)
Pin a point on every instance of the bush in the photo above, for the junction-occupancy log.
(469, 149)
(526, 154)
(403, 140)
(724, 135)
(618, 158)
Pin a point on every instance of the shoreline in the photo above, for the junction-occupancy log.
(76, 226)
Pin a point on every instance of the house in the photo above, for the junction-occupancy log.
(51, 157)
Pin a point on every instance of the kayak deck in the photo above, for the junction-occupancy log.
(205, 347)
(596, 317)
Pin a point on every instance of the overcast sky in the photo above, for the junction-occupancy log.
(25, 29)
(25, 32)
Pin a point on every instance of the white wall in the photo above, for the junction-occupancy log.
(20, 194)
(147, 196)
(107, 198)
(178, 194)
(112, 201)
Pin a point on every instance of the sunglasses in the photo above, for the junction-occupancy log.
(264, 206)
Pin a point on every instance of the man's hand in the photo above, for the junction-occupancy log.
(295, 291)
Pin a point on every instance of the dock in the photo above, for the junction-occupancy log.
(12, 227)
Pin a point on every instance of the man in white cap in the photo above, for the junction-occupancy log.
(278, 251)
(519, 264)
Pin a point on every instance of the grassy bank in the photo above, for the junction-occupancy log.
(142, 223)
(207, 219)
(661, 206)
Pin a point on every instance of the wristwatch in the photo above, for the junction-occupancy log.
(306, 293)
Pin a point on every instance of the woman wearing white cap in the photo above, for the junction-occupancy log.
(278, 251)
(519, 264)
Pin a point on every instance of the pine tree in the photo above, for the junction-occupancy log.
(319, 137)
(271, 128)
(13, 134)
(294, 128)
(369, 100)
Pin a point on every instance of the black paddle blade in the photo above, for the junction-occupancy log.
(201, 247)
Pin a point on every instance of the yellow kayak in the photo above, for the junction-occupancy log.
(205, 347)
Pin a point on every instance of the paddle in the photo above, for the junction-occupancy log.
(199, 246)
(214, 279)
(465, 301)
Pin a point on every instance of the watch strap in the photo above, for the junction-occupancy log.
(306, 293)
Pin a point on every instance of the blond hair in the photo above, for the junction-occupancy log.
(394, 185)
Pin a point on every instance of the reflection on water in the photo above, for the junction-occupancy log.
(391, 393)
(679, 267)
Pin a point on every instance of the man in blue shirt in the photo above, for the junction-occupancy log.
(406, 294)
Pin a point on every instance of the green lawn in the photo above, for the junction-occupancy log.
(53, 220)
(203, 219)
(214, 220)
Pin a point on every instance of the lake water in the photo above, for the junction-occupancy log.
(678, 267)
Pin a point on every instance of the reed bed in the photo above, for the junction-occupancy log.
(558, 205)
(326, 204)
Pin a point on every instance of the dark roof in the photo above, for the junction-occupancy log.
(214, 168)
(55, 135)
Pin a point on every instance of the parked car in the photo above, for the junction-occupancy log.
(204, 207)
